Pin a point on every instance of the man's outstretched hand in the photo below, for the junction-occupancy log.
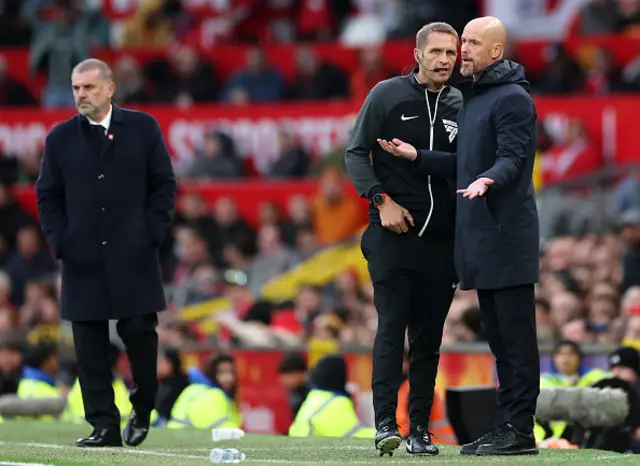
(399, 148)
(477, 188)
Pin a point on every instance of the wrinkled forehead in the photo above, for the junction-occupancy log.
(441, 40)
(475, 32)
(85, 78)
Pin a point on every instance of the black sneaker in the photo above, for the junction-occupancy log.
(419, 443)
(388, 439)
(472, 448)
(509, 441)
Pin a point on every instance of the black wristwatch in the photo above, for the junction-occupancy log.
(378, 199)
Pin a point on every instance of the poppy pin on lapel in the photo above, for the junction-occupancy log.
(111, 137)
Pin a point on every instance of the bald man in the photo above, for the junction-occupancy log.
(497, 238)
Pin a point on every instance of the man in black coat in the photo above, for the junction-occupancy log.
(497, 239)
(106, 194)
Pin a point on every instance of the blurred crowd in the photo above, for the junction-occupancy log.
(60, 33)
(589, 290)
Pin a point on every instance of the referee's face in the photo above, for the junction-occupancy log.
(439, 54)
(91, 92)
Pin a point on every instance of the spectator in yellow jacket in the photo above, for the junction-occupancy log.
(210, 399)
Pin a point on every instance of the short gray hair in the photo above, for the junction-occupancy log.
(94, 64)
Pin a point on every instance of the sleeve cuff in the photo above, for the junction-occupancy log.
(377, 189)
(418, 158)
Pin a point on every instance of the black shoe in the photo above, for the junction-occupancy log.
(136, 429)
(509, 441)
(419, 443)
(388, 439)
(101, 438)
(472, 448)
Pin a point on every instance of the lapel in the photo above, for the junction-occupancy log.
(113, 132)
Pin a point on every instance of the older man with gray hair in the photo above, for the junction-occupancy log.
(106, 194)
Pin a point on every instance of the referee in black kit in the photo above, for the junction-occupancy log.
(409, 241)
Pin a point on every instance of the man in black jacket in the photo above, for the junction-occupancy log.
(497, 239)
(106, 193)
(409, 241)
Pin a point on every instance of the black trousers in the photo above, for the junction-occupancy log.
(91, 340)
(509, 320)
(414, 281)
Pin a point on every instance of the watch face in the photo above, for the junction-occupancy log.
(378, 199)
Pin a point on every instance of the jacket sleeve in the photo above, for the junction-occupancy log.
(162, 188)
(515, 127)
(367, 129)
(50, 194)
(437, 163)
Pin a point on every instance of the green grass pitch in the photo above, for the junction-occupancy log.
(34, 443)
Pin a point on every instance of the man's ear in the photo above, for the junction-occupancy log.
(498, 51)
(417, 55)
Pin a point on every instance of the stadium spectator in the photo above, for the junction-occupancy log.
(182, 78)
(62, 38)
(337, 216)
(229, 227)
(602, 75)
(371, 70)
(598, 17)
(216, 158)
(561, 75)
(261, 82)
(316, 80)
(11, 363)
(273, 259)
(292, 161)
(148, 27)
(130, 82)
(292, 372)
(299, 219)
(12, 218)
(29, 262)
(570, 157)
(14, 29)
(173, 380)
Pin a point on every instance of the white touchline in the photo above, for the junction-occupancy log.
(8, 463)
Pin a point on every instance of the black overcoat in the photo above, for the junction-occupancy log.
(497, 240)
(105, 205)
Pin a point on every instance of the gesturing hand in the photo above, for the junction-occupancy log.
(399, 148)
(477, 188)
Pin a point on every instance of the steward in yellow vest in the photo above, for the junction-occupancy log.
(328, 410)
(210, 399)
(38, 375)
(566, 371)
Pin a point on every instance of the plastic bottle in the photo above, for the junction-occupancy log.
(226, 455)
(220, 435)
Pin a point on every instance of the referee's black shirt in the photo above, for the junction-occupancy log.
(398, 108)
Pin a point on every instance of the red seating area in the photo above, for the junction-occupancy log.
(398, 55)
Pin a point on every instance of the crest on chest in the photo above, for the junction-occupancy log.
(451, 127)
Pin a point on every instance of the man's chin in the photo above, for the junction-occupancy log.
(85, 110)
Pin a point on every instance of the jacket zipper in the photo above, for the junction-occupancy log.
(432, 122)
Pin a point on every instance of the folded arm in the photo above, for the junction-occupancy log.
(515, 127)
